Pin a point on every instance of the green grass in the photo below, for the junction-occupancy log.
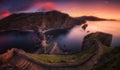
(68, 59)
(89, 37)
(106, 49)
(109, 60)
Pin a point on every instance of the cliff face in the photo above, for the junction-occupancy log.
(34, 21)
(104, 38)
(97, 41)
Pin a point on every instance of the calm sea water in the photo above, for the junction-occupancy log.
(73, 40)
(18, 39)
(111, 27)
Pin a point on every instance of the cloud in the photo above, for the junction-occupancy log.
(4, 14)
(22, 5)
(12, 6)
(45, 6)
(74, 8)
(16, 5)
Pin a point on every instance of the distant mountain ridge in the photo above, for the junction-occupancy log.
(93, 18)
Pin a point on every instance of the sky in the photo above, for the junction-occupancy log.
(75, 8)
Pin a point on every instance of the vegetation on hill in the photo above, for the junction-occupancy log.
(35, 21)
(77, 58)
(104, 38)
(109, 60)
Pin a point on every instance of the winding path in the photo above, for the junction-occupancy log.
(90, 63)
(21, 60)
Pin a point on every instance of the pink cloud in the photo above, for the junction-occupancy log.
(4, 14)
(45, 5)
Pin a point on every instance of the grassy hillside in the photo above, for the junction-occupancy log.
(109, 60)
(67, 59)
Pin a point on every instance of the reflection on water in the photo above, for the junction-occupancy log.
(111, 27)
(73, 40)
(18, 39)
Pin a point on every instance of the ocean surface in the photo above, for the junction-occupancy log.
(73, 40)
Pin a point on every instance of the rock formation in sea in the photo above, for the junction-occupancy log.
(104, 38)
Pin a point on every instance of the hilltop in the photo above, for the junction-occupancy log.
(93, 18)
(37, 20)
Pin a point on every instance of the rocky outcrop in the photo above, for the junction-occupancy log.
(104, 38)
(34, 21)
(96, 40)
(94, 60)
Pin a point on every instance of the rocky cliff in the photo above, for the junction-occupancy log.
(104, 38)
(34, 21)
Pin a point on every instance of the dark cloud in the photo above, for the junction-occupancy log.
(13, 6)
(10, 6)
(17, 5)
(114, 1)
(1, 1)
(22, 5)
(80, 0)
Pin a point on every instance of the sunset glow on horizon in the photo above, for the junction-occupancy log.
(103, 13)
(109, 9)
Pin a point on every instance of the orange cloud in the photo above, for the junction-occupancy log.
(4, 14)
